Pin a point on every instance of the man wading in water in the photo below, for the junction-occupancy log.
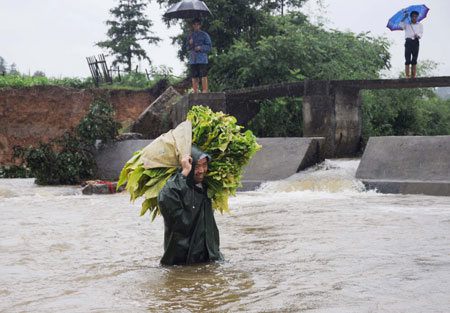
(413, 32)
(190, 230)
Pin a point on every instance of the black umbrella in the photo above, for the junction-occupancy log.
(188, 9)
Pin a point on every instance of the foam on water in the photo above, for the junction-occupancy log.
(11, 188)
(334, 176)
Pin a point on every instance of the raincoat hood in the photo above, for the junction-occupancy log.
(196, 154)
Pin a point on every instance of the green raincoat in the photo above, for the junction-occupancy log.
(190, 234)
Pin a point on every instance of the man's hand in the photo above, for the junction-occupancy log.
(197, 48)
(186, 164)
(406, 15)
(191, 42)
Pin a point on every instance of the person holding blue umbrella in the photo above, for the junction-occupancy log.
(413, 32)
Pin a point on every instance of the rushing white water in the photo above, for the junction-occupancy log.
(316, 242)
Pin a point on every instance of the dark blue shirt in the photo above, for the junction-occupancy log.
(202, 40)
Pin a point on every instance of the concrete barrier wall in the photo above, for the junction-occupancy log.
(112, 157)
(279, 158)
(409, 164)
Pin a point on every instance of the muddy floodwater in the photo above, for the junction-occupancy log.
(316, 242)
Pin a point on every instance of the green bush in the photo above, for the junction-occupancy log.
(15, 171)
(17, 81)
(128, 81)
(405, 112)
(135, 80)
(299, 49)
(281, 117)
(98, 124)
(292, 50)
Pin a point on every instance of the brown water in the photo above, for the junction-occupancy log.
(316, 242)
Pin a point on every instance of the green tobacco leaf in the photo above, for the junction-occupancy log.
(152, 192)
(133, 181)
(149, 204)
(129, 166)
(219, 136)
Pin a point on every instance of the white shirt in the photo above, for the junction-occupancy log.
(412, 29)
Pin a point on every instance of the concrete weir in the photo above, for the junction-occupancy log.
(112, 157)
(407, 165)
(279, 158)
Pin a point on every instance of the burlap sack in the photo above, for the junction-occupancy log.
(168, 149)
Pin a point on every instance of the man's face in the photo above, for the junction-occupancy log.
(196, 26)
(414, 18)
(200, 170)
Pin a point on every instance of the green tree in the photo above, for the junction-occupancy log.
(281, 117)
(128, 26)
(39, 74)
(297, 50)
(246, 20)
(281, 6)
(2, 65)
(405, 112)
(13, 69)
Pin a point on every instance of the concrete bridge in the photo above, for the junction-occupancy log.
(331, 108)
(332, 127)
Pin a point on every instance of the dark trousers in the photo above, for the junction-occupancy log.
(411, 51)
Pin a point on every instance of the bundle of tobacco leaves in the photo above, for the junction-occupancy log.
(215, 133)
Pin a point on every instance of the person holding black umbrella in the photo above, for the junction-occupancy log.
(413, 32)
(199, 44)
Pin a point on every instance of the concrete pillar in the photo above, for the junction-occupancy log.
(319, 117)
(214, 100)
(319, 120)
(333, 113)
(243, 110)
(347, 136)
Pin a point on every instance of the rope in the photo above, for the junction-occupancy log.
(111, 186)
(411, 26)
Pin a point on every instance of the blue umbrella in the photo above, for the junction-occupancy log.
(394, 21)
